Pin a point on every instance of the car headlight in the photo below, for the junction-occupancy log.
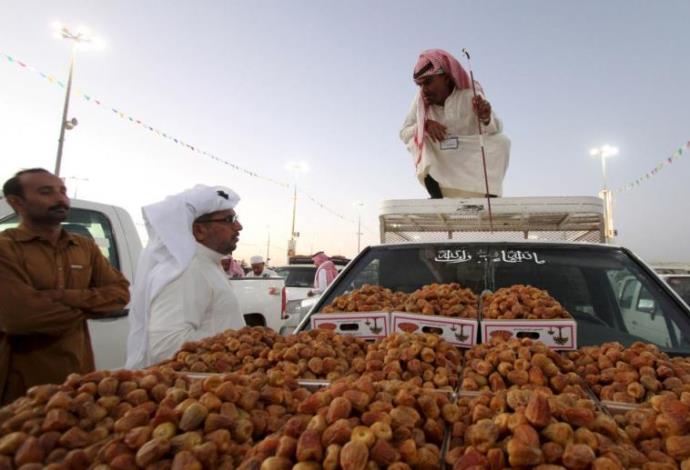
(293, 306)
(305, 305)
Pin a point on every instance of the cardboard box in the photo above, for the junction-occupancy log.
(557, 334)
(461, 332)
(366, 325)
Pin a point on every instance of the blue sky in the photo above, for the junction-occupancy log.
(266, 82)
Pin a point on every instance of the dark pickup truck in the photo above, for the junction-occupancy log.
(589, 280)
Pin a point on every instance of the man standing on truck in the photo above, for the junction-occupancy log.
(259, 268)
(326, 272)
(181, 292)
(441, 131)
(51, 282)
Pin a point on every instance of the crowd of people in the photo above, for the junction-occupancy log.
(53, 281)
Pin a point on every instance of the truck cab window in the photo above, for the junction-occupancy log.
(87, 223)
(628, 291)
(643, 316)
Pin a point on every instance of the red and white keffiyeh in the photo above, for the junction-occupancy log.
(435, 62)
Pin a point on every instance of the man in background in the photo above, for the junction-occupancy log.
(259, 268)
(51, 281)
(233, 269)
(326, 273)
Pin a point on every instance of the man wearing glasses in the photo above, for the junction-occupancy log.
(180, 292)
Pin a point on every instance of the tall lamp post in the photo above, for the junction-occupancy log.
(358, 205)
(296, 168)
(604, 152)
(80, 37)
(268, 244)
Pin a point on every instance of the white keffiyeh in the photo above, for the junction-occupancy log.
(169, 252)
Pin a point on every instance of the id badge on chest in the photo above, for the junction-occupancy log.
(451, 143)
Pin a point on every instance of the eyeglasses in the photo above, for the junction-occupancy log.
(231, 219)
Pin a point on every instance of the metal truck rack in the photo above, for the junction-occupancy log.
(514, 218)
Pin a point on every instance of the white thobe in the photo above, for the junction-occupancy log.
(198, 304)
(321, 281)
(456, 163)
(265, 273)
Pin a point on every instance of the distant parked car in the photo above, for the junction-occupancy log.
(679, 283)
(299, 280)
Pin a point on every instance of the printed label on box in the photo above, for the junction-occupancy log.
(367, 325)
(461, 332)
(557, 334)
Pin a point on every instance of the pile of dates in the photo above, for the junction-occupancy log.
(368, 298)
(529, 429)
(144, 419)
(521, 363)
(631, 375)
(521, 302)
(422, 359)
(448, 300)
(361, 425)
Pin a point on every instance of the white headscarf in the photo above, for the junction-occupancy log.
(169, 252)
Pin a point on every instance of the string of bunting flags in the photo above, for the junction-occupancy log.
(662, 164)
(122, 115)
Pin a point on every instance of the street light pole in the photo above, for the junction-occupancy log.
(296, 168)
(79, 38)
(359, 231)
(359, 206)
(604, 152)
(294, 210)
(61, 140)
(268, 245)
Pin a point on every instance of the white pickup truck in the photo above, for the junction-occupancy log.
(262, 300)
(612, 294)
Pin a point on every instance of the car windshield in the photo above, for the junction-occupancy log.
(609, 294)
(297, 276)
(680, 284)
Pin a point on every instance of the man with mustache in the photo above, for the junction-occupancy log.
(441, 131)
(181, 292)
(51, 281)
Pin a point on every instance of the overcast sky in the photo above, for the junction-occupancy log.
(263, 83)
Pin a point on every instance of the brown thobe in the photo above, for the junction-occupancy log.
(44, 340)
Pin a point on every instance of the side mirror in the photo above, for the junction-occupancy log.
(646, 305)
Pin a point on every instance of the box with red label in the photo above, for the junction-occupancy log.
(366, 325)
(461, 332)
(557, 334)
